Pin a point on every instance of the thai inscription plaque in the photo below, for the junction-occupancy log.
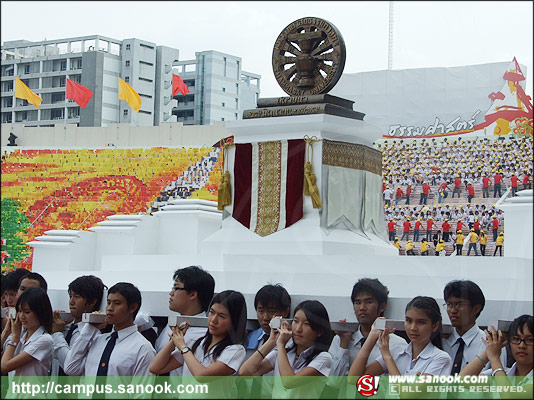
(308, 57)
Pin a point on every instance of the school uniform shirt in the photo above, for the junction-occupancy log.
(431, 360)
(39, 346)
(321, 363)
(192, 334)
(342, 359)
(61, 347)
(131, 355)
(233, 356)
(473, 346)
(512, 371)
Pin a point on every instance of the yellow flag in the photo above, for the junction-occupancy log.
(24, 92)
(129, 95)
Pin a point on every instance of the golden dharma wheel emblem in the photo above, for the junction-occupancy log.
(308, 57)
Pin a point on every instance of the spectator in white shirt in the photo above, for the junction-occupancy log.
(305, 355)
(220, 351)
(191, 295)
(29, 349)
(132, 353)
(422, 356)
(85, 296)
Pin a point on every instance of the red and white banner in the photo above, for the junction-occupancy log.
(268, 184)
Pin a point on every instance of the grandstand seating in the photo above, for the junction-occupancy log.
(76, 188)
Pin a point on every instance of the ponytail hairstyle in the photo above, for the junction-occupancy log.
(237, 307)
(319, 321)
(430, 307)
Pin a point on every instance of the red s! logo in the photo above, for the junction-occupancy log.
(367, 385)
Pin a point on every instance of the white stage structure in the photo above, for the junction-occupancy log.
(308, 262)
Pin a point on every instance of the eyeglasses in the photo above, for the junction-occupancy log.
(517, 340)
(459, 305)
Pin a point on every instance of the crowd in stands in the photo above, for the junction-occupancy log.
(39, 341)
(435, 189)
(77, 188)
(194, 178)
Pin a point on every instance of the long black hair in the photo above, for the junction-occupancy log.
(430, 307)
(38, 302)
(237, 307)
(319, 321)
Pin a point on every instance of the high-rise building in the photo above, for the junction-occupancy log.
(219, 90)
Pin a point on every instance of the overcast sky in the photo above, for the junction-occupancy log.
(426, 34)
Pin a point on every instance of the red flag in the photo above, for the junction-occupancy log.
(178, 85)
(80, 94)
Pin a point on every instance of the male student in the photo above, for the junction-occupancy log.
(369, 298)
(124, 351)
(270, 301)
(31, 279)
(191, 295)
(85, 296)
(10, 286)
(464, 301)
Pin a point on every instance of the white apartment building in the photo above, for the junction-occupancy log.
(219, 90)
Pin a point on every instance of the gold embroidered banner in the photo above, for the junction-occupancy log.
(269, 182)
(353, 156)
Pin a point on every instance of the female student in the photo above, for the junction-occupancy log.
(301, 351)
(422, 356)
(220, 351)
(520, 342)
(30, 349)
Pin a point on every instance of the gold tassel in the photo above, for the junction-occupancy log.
(224, 195)
(310, 180)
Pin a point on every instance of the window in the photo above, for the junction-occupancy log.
(6, 118)
(146, 46)
(127, 47)
(223, 104)
(224, 60)
(237, 88)
(237, 104)
(145, 95)
(126, 79)
(125, 113)
(224, 89)
(62, 81)
(144, 112)
(127, 63)
(145, 79)
(63, 65)
(146, 63)
(235, 115)
(26, 69)
(222, 119)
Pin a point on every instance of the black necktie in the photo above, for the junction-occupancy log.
(457, 365)
(68, 338)
(70, 332)
(104, 361)
(263, 339)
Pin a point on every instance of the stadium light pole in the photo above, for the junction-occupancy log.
(390, 45)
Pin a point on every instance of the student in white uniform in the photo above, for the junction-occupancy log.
(301, 351)
(521, 342)
(464, 301)
(422, 356)
(124, 351)
(85, 296)
(191, 295)
(29, 350)
(269, 301)
(220, 351)
(369, 299)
